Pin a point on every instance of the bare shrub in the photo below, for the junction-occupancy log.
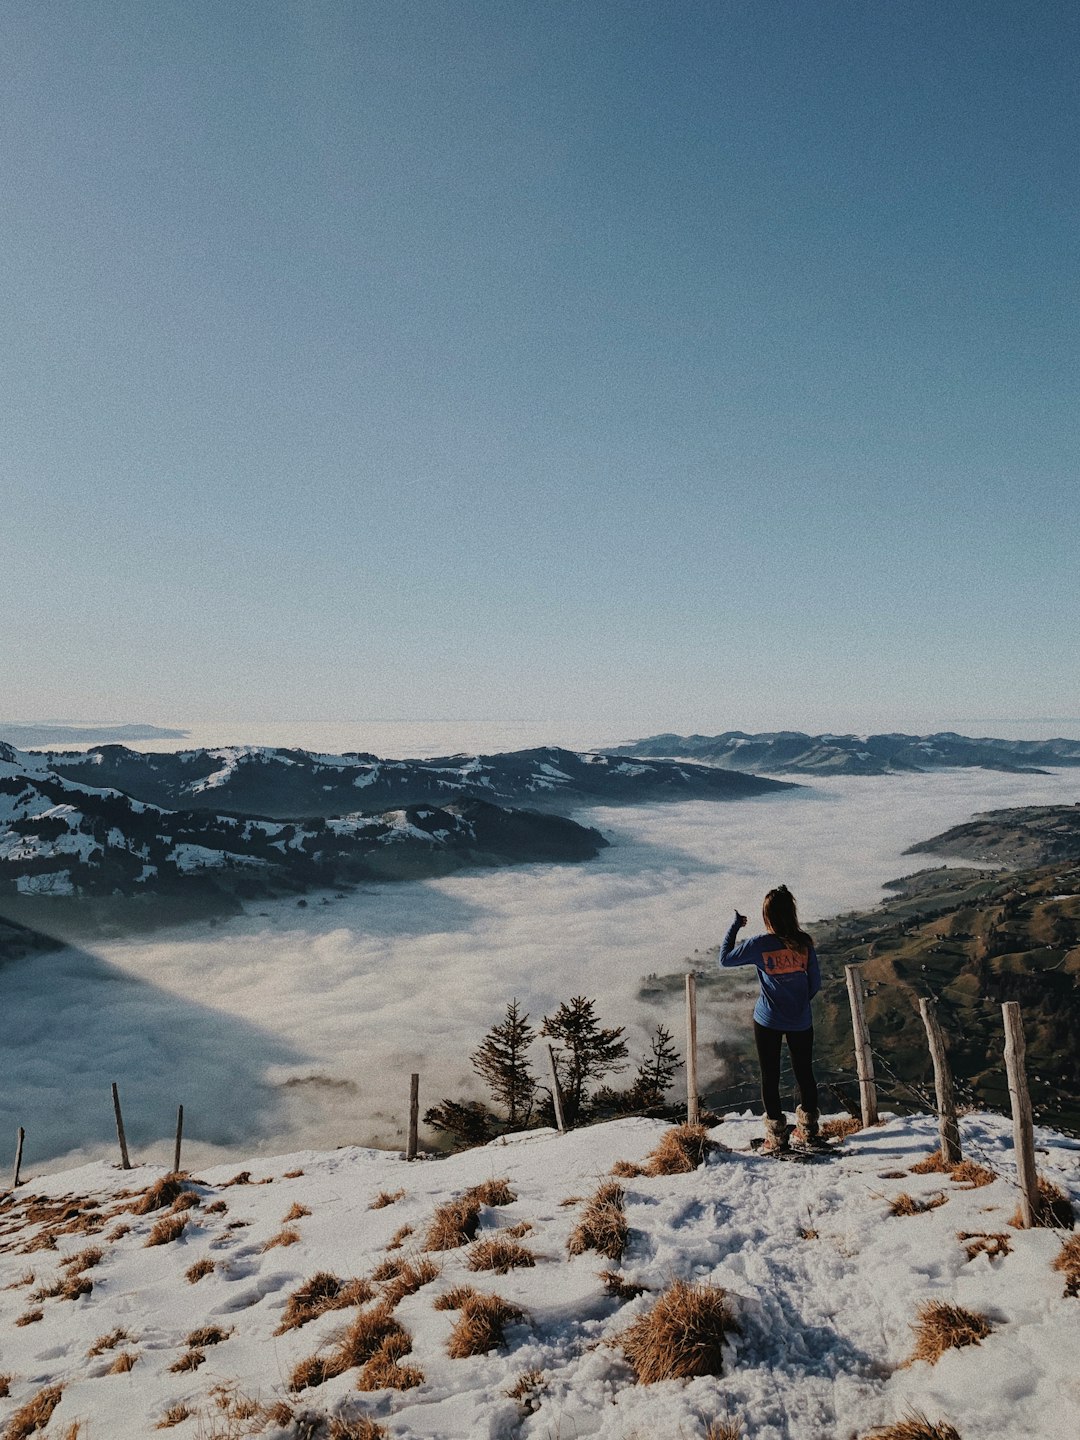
(322, 1292)
(296, 1212)
(124, 1362)
(681, 1336)
(167, 1229)
(681, 1149)
(915, 1426)
(107, 1342)
(35, 1414)
(161, 1194)
(617, 1285)
(500, 1254)
(191, 1360)
(175, 1415)
(386, 1197)
(840, 1129)
(194, 1273)
(283, 1237)
(453, 1224)
(453, 1299)
(941, 1326)
(408, 1280)
(602, 1226)
(1067, 1260)
(906, 1204)
(481, 1325)
(981, 1243)
(1054, 1209)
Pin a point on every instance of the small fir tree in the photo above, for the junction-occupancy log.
(656, 1072)
(502, 1061)
(467, 1122)
(589, 1051)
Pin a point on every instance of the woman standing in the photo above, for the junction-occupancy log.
(787, 967)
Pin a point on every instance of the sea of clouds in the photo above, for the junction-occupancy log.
(293, 1027)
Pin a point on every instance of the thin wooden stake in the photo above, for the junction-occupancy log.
(1023, 1122)
(691, 1049)
(179, 1138)
(943, 1085)
(414, 1117)
(18, 1157)
(556, 1092)
(863, 1062)
(124, 1161)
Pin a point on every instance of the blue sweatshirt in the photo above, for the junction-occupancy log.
(789, 979)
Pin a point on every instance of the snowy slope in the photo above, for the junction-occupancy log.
(825, 1284)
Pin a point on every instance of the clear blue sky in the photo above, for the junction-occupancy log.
(693, 364)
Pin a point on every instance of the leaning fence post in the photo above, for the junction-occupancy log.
(692, 1112)
(556, 1092)
(864, 1064)
(1023, 1123)
(414, 1117)
(943, 1085)
(124, 1161)
(179, 1138)
(18, 1157)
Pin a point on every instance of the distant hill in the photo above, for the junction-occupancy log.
(784, 752)
(288, 784)
(25, 737)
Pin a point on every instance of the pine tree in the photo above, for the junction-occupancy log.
(589, 1051)
(502, 1060)
(656, 1072)
(468, 1122)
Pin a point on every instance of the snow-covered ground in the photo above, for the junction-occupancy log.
(824, 1281)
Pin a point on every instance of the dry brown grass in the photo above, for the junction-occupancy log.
(571, 1200)
(35, 1414)
(481, 1325)
(388, 1269)
(384, 1372)
(932, 1164)
(409, 1278)
(915, 1426)
(626, 1170)
(978, 1242)
(206, 1335)
(386, 1197)
(167, 1229)
(161, 1194)
(726, 1429)
(107, 1342)
(83, 1259)
(518, 1231)
(368, 1334)
(681, 1336)
(967, 1173)
(124, 1362)
(681, 1149)
(617, 1285)
(283, 1237)
(175, 1415)
(218, 1207)
(1054, 1210)
(242, 1177)
(30, 1317)
(500, 1254)
(526, 1391)
(941, 1326)
(358, 1428)
(494, 1192)
(807, 1232)
(201, 1268)
(322, 1292)
(840, 1129)
(453, 1299)
(296, 1212)
(1067, 1260)
(26, 1278)
(399, 1237)
(292, 1174)
(117, 1233)
(5, 1386)
(66, 1287)
(905, 1204)
(453, 1224)
(602, 1226)
(191, 1360)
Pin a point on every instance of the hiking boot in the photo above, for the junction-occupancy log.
(776, 1136)
(807, 1132)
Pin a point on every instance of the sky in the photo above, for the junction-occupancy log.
(689, 366)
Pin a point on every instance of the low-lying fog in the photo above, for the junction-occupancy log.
(298, 1028)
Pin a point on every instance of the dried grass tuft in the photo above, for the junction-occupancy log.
(1055, 1209)
(386, 1197)
(840, 1129)
(161, 1194)
(124, 1362)
(941, 1326)
(167, 1229)
(5, 1386)
(83, 1259)
(500, 1254)
(726, 1429)
(218, 1207)
(175, 1415)
(117, 1233)
(932, 1164)
(982, 1243)
(915, 1426)
(388, 1270)
(453, 1224)
(242, 1177)
(626, 1170)
(493, 1192)
(67, 1287)
(481, 1325)
(906, 1204)
(526, 1391)
(107, 1342)
(453, 1299)
(30, 1317)
(189, 1361)
(292, 1174)
(571, 1200)
(602, 1226)
(296, 1212)
(681, 1336)
(35, 1414)
(399, 1237)
(681, 1149)
(1067, 1260)
(194, 1273)
(408, 1280)
(358, 1428)
(383, 1372)
(617, 1285)
(322, 1292)
(972, 1176)
(368, 1333)
(283, 1237)
(206, 1335)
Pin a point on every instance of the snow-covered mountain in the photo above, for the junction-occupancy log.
(790, 752)
(297, 783)
(192, 1315)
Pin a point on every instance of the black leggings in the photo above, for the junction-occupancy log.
(800, 1045)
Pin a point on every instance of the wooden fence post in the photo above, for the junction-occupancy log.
(556, 1092)
(863, 1062)
(943, 1085)
(124, 1161)
(1023, 1124)
(179, 1138)
(18, 1157)
(414, 1117)
(692, 1112)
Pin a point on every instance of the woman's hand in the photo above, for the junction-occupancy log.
(740, 920)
